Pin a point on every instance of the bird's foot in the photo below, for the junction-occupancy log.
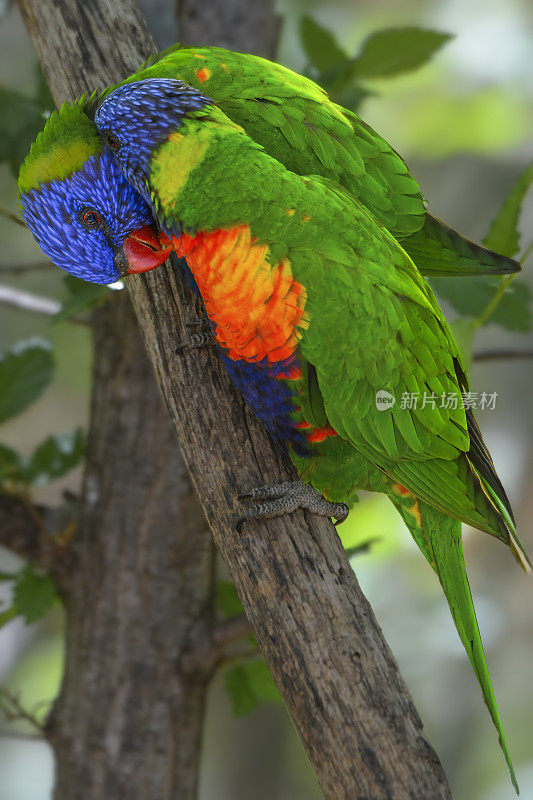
(284, 498)
(203, 338)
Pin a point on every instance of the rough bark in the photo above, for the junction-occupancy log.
(250, 27)
(316, 630)
(128, 721)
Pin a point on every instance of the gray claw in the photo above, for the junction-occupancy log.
(196, 340)
(284, 498)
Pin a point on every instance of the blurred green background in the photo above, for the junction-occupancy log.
(464, 123)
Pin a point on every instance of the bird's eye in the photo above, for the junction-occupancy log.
(90, 219)
(112, 140)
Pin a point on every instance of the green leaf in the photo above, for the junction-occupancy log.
(55, 456)
(21, 119)
(10, 465)
(320, 45)
(395, 50)
(227, 599)
(352, 97)
(25, 371)
(363, 548)
(82, 296)
(7, 615)
(503, 235)
(470, 296)
(34, 594)
(248, 685)
(43, 96)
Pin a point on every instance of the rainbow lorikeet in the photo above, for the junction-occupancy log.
(296, 123)
(315, 305)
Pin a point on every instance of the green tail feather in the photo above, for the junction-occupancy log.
(437, 249)
(439, 538)
(517, 548)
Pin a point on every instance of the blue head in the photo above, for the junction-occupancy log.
(81, 210)
(139, 116)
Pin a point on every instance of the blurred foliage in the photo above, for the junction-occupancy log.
(504, 301)
(25, 372)
(249, 682)
(34, 594)
(383, 54)
(21, 119)
(81, 296)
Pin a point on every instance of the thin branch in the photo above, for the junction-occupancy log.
(13, 217)
(9, 296)
(26, 530)
(493, 355)
(13, 710)
(527, 252)
(207, 652)
(23, 737)
(237, 658)
(19, 269)
(493, 303)
(229, 631)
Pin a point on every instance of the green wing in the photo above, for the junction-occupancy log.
(439, 250)
(391, 336)
(296, 123)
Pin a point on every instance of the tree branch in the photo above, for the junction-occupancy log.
(14, 711)
(228, 631)
(28, 531)
(128, 722)
(493, 355)
(12, 217)
(27, 301)
(19, 269)
(316, 630)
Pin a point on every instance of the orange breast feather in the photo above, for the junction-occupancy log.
(257, 306)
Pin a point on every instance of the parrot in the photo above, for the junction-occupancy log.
(296, 123)
(315, 305)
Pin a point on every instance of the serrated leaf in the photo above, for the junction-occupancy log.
(503, 235)
(55, 456)
(320, 45)
(227, 600)
(248, 685)
(25, 371)
(395, 50)
(470, 296)
(10, 465)
(21, 119)
(34, 594)
(82, 296)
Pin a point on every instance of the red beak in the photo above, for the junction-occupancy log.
(144, 251)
